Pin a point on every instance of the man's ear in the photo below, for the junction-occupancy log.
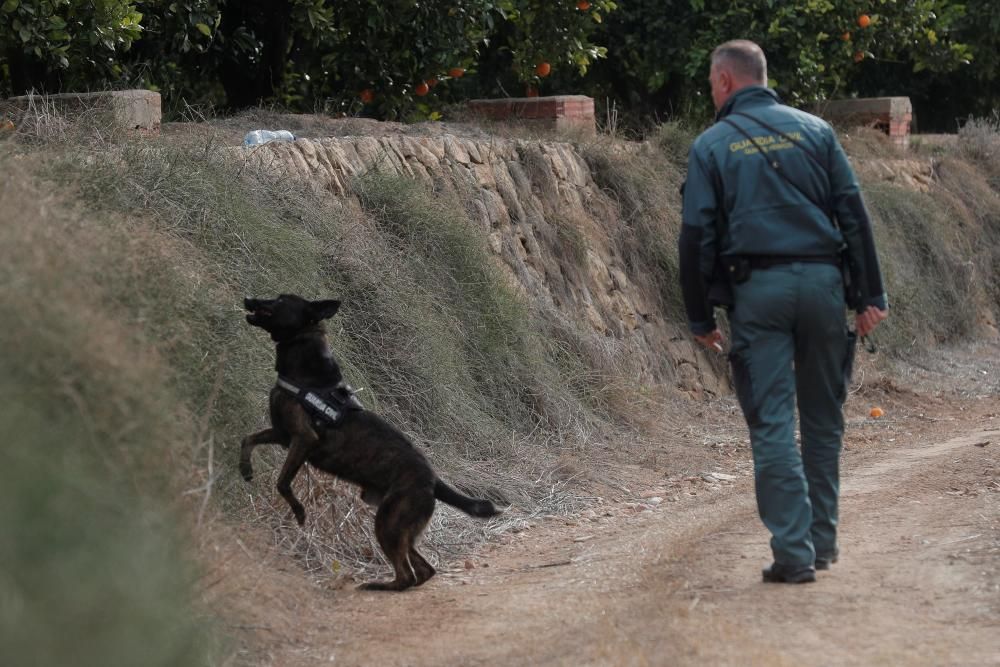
(722, 80)
(321, 310)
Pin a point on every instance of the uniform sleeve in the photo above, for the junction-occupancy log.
(697, 244)
(866, 277)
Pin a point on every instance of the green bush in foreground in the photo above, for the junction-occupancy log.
(92, 572)
(94, 569)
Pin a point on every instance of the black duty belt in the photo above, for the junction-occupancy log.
(767, 261)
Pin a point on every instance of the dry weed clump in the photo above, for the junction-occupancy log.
(939, 249)
(930, 277)
(646, 187)
(866, 143)
(41, 120)
(480, 358)
(674, 139)
(979, 142)
(600, 369)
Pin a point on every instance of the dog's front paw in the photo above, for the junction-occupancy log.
(300, 514)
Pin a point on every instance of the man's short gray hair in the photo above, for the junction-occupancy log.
(744, 58)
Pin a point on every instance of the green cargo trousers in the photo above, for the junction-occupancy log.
(790, 343)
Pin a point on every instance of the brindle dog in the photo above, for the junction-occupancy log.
(361, 447)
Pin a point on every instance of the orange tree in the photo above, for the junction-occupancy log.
(659, 51)
(535, 40)
(385, 58)
(943, 100)
(394, 54)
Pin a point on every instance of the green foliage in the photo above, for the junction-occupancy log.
(943, 101)
(410, 60)
(363, 56)
(659, 52)
(389, 49)
(176, 51)
(552, 32)
(537, 47)
(980, 28)
(77, 42)
(392, 50)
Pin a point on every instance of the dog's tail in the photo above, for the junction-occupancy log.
(472, 506)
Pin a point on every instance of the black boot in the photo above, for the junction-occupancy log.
(824, 562)
(789, 574)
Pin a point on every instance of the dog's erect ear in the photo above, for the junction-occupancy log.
(321, 310)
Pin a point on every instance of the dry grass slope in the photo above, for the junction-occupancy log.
(129, 376)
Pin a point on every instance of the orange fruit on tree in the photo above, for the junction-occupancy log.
(431, 82)
(456, 72)
(421, 89)
(583, 5)
(366, 95)
(543, 69)
(864, 20)
(846, 37)
(859, 56)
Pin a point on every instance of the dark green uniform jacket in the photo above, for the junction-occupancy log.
(764, 214)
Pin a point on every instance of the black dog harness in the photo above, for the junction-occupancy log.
(327, 405)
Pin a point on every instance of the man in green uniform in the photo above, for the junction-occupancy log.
(772, 210)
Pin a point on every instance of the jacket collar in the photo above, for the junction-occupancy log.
(747, 98)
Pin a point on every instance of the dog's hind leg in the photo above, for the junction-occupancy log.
(398, 525)
(269, 436)
(297, 454)
(421, 568)
(419, 514)
(420, 511)
(394, 537)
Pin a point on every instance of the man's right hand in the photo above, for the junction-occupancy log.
(865, 322)
(711, 341)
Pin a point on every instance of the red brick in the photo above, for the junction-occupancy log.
(560, 111)
(892, 115)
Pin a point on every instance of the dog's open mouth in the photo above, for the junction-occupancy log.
(256, 310)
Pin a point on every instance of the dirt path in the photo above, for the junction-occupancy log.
(677, 582)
